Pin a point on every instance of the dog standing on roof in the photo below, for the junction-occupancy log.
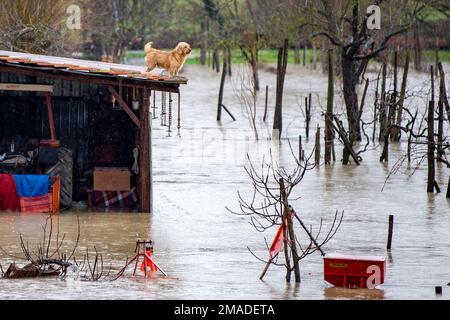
(172, 61)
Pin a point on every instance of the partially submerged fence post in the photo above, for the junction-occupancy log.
(300, 149)
(317, 147)
(448, 189)
(222, 85)
(308, 114)
(329, 113)
(266, 102)
(390, 232)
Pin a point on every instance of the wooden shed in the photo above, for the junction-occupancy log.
(98, 111)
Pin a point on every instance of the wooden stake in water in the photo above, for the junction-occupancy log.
(265, 105)
(390, 232)
(317, 147)
(300, 149)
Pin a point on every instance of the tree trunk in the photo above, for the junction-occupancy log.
(443, 91)
(281, 73)
(383, 123)
(222, 85)
(216, 64)
(431, 146)
(317, 148)
(314, 55)
(255, 61)
(204, 42)
(329, 114)
(417, 48)
(297, 53)
(396, 131)
(290, 228)
(448, 189)
(228, 56)
(351, 103)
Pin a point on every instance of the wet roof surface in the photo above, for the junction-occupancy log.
(85, 67)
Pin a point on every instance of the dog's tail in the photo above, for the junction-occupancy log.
(148, 47)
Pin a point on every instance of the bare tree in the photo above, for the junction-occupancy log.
(34, 26)
(344, 24)
(245, 91)
(270, 206)
(46, 259)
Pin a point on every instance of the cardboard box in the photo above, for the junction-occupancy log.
(112, 179)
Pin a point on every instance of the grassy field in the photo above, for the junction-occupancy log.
(265, 56)
(270, 56)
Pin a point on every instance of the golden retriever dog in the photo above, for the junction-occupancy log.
(171, 61)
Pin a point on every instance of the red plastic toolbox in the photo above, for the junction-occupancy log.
(354, 271)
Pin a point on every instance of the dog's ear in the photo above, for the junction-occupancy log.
(180, 48)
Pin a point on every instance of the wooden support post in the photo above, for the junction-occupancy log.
(448, 189)
(229, 112)
(431, 145)
(125, 106)
(317, 147)
(308, 116)
(300, 149)
(390, 232)
(265, 105)
(145, 155)
(222, 85)
(50, 116)
(329, 113)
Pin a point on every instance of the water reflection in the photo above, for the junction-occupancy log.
(344, 293)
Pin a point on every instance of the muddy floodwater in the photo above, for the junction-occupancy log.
(203, 247)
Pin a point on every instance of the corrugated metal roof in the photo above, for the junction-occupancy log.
(86, 67)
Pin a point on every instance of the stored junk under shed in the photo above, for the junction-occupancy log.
(71, 118)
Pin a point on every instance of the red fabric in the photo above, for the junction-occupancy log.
(9, 198)
(278, 241)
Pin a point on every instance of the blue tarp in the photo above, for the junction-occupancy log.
(31, 185)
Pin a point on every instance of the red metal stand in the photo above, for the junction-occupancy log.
(141, 251)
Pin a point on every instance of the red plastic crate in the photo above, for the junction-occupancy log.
(42, 204)
(354, 271)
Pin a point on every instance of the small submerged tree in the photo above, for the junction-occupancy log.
(246, 93)
(51, 257)
(271, 206)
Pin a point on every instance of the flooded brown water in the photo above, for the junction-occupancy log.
(203, 248)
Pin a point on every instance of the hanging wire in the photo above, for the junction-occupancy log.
(163, 109)
(154, 106)
(179, 115)
(170, 114)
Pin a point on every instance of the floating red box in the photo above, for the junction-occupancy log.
(354, 271)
